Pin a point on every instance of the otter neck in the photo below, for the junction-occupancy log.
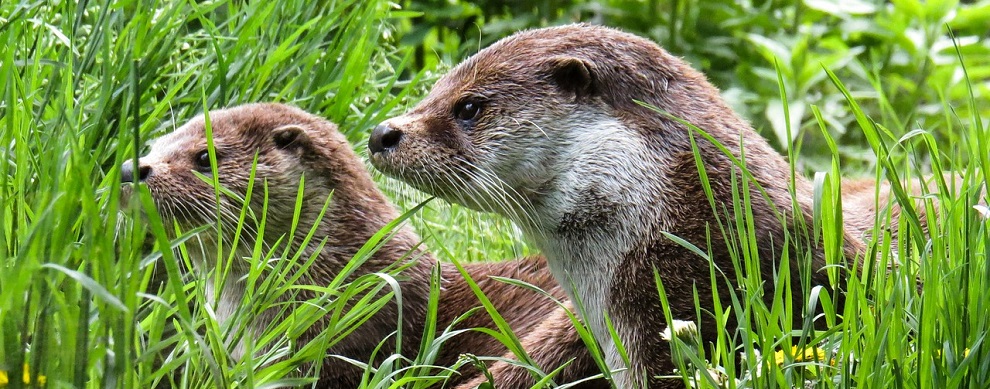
(594, 213)
(350, 221)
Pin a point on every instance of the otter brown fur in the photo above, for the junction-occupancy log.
(292, 145)
(545, 128)
(863, 199)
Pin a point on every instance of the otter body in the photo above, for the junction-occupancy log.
(292, 146)
(544, 127)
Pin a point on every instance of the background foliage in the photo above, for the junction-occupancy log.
(84, 85)
(897, 57)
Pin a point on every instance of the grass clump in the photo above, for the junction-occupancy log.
(913, 312)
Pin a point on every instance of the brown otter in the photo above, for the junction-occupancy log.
(292, 146)
(544, 127)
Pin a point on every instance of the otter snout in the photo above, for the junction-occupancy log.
(127, 172)
(384, 138)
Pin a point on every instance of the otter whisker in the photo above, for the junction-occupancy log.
(534, 124)
(513, 203)
(468, 189)
(495, 197)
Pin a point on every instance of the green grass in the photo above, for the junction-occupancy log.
(84, 87)
(914, 314)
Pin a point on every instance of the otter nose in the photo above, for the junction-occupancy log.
(127, 172)
(383, 138)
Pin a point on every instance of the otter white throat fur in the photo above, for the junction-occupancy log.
(292, 145)
(544, 127)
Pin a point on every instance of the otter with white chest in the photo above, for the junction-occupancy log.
(291, 146)
(544, 127)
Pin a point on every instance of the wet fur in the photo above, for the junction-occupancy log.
(593, 178)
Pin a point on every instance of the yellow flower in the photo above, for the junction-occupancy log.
(938, 353)
(4, 380)
(809, 354)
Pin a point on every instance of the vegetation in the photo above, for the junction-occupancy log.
(894, 91)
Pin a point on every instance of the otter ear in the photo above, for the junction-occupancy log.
(290, 136)
(573, 75)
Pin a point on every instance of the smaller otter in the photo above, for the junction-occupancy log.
(291, 146)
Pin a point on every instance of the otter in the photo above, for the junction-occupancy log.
(546, 127)
(291, 146)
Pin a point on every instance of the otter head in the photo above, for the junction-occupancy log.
(280, 146)
(546, 112)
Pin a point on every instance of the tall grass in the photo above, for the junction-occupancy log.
(85, 86)
(915, 311)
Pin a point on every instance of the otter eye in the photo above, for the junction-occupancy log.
(203, 160)
(467, 110)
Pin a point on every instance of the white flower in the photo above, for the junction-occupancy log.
(687, 341)
(686, 331)
(983, 210)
